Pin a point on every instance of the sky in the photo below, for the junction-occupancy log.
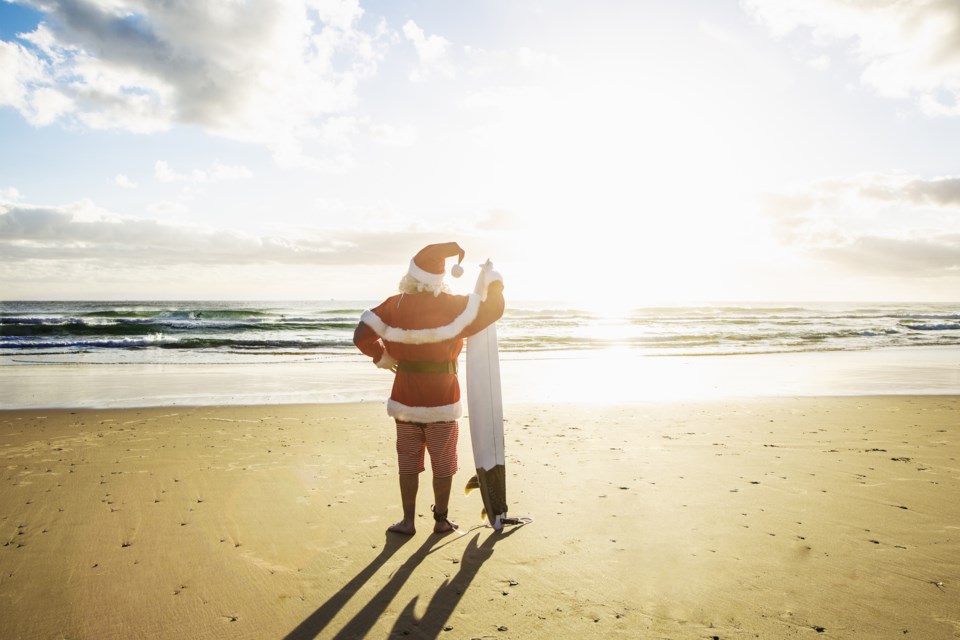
(618, 153)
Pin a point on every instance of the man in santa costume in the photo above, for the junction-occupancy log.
(419, 334)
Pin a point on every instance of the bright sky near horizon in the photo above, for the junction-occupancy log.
(622, 153)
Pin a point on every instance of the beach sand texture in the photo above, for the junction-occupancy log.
(759, 518)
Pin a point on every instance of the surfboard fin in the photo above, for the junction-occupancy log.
(472, 485)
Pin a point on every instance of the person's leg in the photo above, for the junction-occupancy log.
(410, 450)
(441, 493)
(409, 483)
(441, 442)
(441, 497)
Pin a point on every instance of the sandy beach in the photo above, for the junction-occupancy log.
(704, 255)
(756, 518)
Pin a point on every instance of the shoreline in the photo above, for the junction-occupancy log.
(736, 518)
(602, 376)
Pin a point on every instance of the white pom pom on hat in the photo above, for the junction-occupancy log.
(428, 266)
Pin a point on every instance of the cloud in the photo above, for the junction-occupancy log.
(167, 209)
(123, 181)
(22, 78)
(939, 191)
(938, 255)
(510, 99)
(820, 63)
(536, 61)
(876, 223)
(499, 220)
(904, 49)
(57, 233)
(431, 52)
(903, 190)
(523, 64)
(10, 195)
(81, 231)
(400, 136)
(262, 70)
(217, 173)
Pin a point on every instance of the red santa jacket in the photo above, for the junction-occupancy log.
(422, 327)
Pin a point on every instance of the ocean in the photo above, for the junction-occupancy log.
(128, 354)
(210, 332)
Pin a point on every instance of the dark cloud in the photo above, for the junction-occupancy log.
(32, 224)
(939, 255)
(123, 37)
(51, 234)
(837, 220)
(163, 42)
(233, 68)
(942, 191)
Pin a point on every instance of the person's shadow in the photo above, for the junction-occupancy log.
(439, 610)
(444, 602)
(319, 619)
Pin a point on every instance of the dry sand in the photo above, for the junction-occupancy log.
(764, 518)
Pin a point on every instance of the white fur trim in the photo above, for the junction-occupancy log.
(444, 413)
(424, 276)
(386, 361)
(424, 336)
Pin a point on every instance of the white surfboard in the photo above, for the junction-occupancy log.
(485, 411)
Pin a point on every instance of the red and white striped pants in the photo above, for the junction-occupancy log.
(439, 438)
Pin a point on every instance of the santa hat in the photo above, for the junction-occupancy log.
(428, 265)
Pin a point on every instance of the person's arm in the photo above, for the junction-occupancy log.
(491, 309)
(369, 343)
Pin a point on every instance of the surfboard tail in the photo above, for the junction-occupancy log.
(493, 489)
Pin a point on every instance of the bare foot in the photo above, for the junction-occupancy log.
(445, 525)
(403, 527)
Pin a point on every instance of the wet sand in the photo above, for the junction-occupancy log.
(759, 518)
(627, 376)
